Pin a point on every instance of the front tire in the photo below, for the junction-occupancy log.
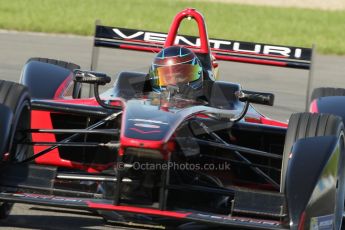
(304, 125)
(15, 114)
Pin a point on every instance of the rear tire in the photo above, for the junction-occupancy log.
(304, 125)
(67, 65)
(327, 92)
(14, 99)
(45, 78)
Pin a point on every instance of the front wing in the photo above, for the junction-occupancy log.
(106, 205)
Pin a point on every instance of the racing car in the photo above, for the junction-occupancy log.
(161, 152)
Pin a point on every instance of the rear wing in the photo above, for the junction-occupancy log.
(226, 50)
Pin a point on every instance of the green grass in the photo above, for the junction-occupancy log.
(285, 26)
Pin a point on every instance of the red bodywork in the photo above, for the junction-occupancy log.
(313, 107)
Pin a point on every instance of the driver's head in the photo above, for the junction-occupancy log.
(176, 66)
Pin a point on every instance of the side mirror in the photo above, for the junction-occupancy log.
(256, 97)
(91, 77)
(97, 79)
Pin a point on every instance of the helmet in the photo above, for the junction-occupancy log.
(176, 66)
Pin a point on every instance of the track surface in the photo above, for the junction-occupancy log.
(288, 85)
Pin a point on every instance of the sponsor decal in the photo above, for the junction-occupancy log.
(149, 121)
(151, 126)
(144, 132)
(239, 219)
(322, 222)
(47, 197)
(255, 48)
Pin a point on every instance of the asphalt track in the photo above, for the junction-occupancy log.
(288, 85)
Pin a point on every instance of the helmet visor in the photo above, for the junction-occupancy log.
(174, 74)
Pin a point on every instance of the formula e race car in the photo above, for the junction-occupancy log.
(168, 157)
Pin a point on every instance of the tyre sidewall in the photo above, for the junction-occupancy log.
(340, 191)
(22, 112)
